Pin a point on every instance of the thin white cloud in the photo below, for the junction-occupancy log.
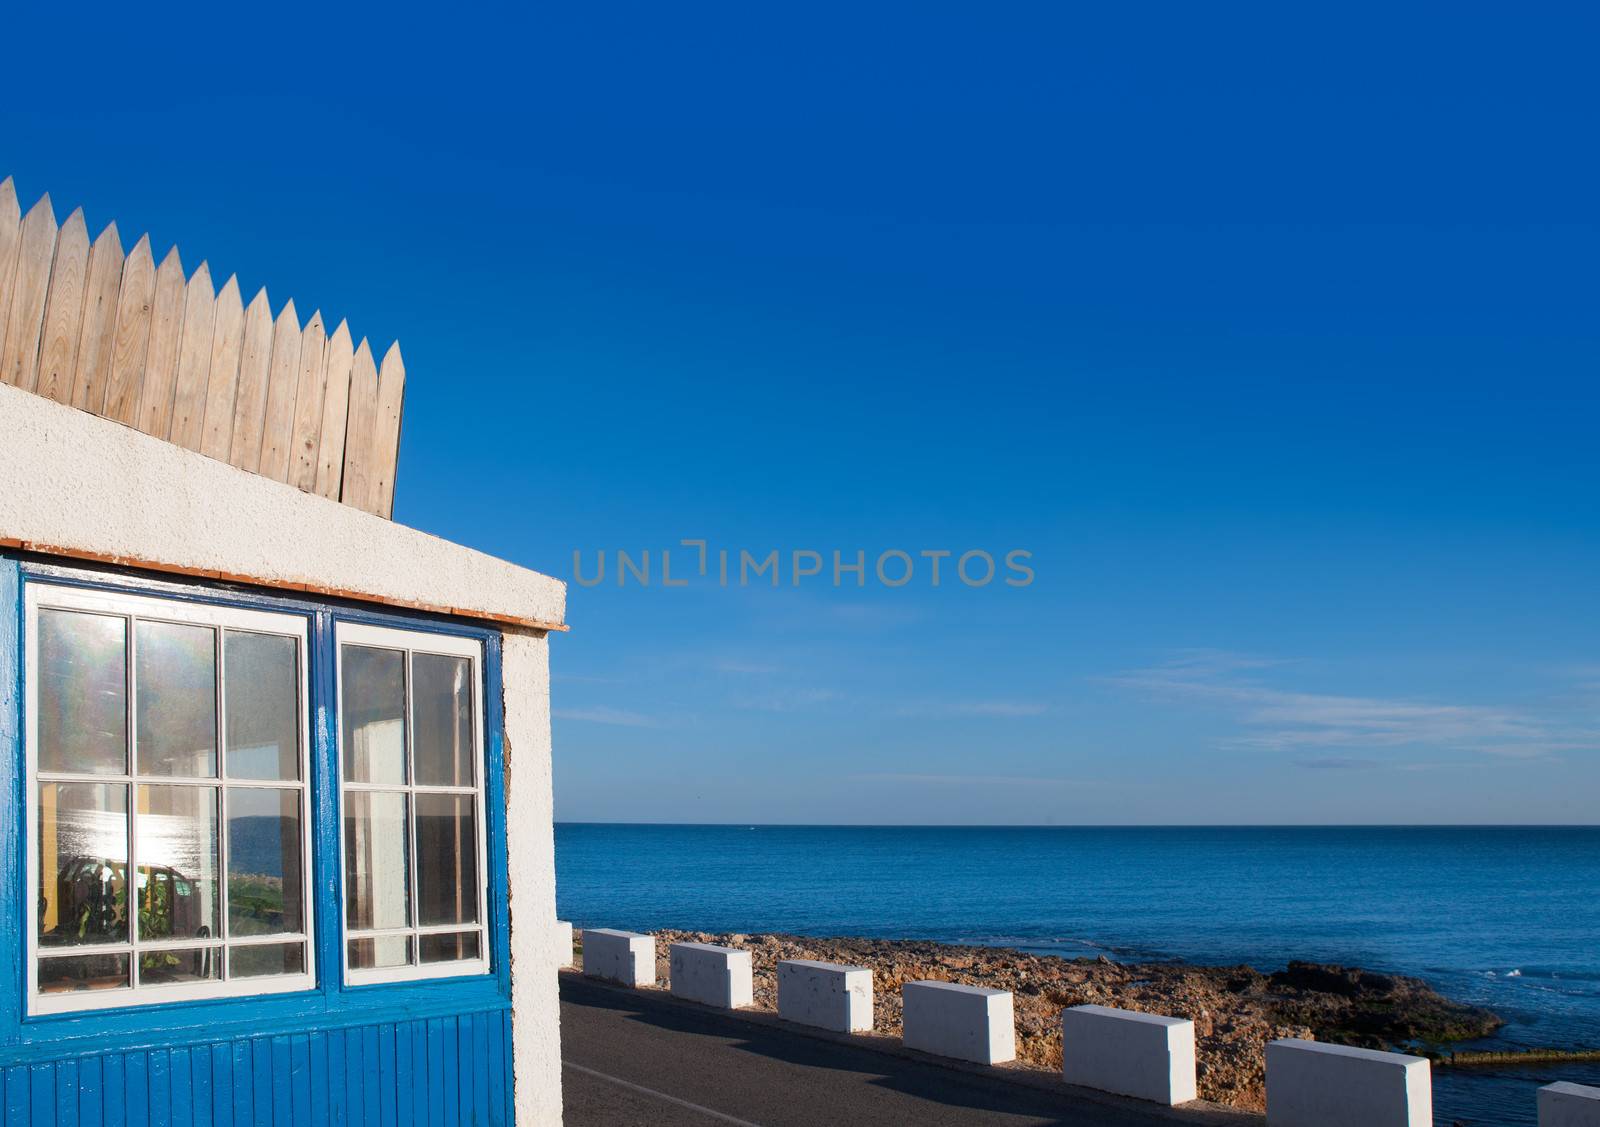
(1278, 719)
(747, 668)
(616, 716)
(970, 780)
(785, 700)
(996, 709)
(873, 616)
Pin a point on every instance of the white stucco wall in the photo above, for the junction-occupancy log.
(117, 494)
(535, 1022)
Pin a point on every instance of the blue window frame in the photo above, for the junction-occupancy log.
(331, 1001)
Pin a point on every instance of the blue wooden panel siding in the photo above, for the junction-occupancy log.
(427, 1052)
(396, 1074)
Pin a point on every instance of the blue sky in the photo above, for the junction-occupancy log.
(1270, 335)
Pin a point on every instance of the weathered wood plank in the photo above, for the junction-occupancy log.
(222, 380)
(10, 230)
(250, 404)
(132, 339)
(360, 430)
(161, 358)
(63, 313)
(36, 250)
(97, 330)
(311, 385)
(335, 411)
(283, 381)
(386, 435)
(194, 361)
(115, 334)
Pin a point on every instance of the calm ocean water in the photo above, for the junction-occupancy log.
(1507, 918)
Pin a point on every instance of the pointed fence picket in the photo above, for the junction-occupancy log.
(335, 413)
(283, 381)
(30, 281)
(97, 329)
(132, 336)
(161, 358)
(311, 385)
(361, 427)
(63, 314)
(194, 361)
(227, 341)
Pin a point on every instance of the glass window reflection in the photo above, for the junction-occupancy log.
(441, 706)
(264, 859)
(377, 876)
(373, 704)
(83, 693)
(177, 856)
(262, 676)
(176, 667)
(83, 863)
(447, 859)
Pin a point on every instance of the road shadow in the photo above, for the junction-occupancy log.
(1005, 1098)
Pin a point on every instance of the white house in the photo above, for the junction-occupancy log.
(258, 743)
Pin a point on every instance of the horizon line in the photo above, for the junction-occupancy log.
(1100, 825)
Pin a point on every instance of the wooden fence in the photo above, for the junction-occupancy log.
(115, 334)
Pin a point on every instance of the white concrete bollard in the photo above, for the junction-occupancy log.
(622, 956)
(561, 937)
(1310, 1084)
(825, 995)
(966, 1022)
(1569, 1105)
(717, 976)
(1145, 1056)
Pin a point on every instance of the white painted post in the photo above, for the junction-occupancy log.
(971, 1023)
(622, 956)
(561, 937)
(717, 976)
(1569, 1105)
(1145, 1056)
(1310, 1084)
(825, 995)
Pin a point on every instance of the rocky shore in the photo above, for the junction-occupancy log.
(1236, 1010)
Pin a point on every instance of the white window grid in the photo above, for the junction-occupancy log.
(132, 609)
(412, 643)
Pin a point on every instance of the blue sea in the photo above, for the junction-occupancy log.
(1504, 917)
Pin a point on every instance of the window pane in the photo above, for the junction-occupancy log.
(447, 859)
(449, 948)
(380, 951)
(177, 857)
(264, 840)
(177, 712)
(377, 877)
(83, 693)
(168, 968)
(441, 709)
(83, 972)
(83, 864)
(262, 682)
(256, 961)
(374, 704)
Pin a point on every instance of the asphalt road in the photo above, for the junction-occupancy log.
(640, 1057)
